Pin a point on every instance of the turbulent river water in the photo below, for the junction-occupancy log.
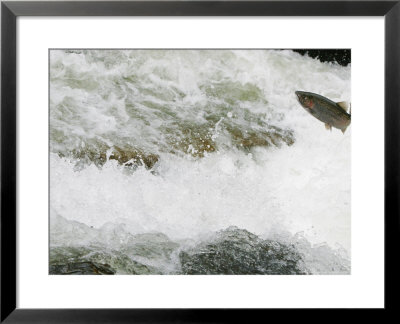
(196, 162)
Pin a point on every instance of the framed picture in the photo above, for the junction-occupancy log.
(175, 160)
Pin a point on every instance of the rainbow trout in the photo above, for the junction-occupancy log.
(331, 113)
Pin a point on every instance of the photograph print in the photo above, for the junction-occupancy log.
(200, 162)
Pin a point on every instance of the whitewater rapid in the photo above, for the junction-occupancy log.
(189, 143)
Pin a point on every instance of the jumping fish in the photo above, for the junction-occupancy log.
(333, 114)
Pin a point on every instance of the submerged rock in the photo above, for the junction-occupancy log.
(273, 136)
(81, 268)
(112, 244)
(152, 246)
(230, 251)
(63, 256)
(130, 157)
(233, 91)
(237, 251)
(190, 138)
(97, 152)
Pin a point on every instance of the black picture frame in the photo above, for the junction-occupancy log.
(9, 13)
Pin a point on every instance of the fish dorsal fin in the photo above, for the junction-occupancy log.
(344, 105)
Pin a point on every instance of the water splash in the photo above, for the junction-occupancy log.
(188, 143)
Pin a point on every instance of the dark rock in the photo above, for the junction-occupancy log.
(98, 255)
(271, 136)
(112, 244)
(96, 151)
(340, 56)
(153, 246)
(237, 251)
(137, 157)
(81, 268)
(189, 138)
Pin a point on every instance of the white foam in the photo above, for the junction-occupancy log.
(303, 188)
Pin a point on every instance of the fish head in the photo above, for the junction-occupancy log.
(305, 99)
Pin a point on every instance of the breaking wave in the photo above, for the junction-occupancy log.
(196, 162)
